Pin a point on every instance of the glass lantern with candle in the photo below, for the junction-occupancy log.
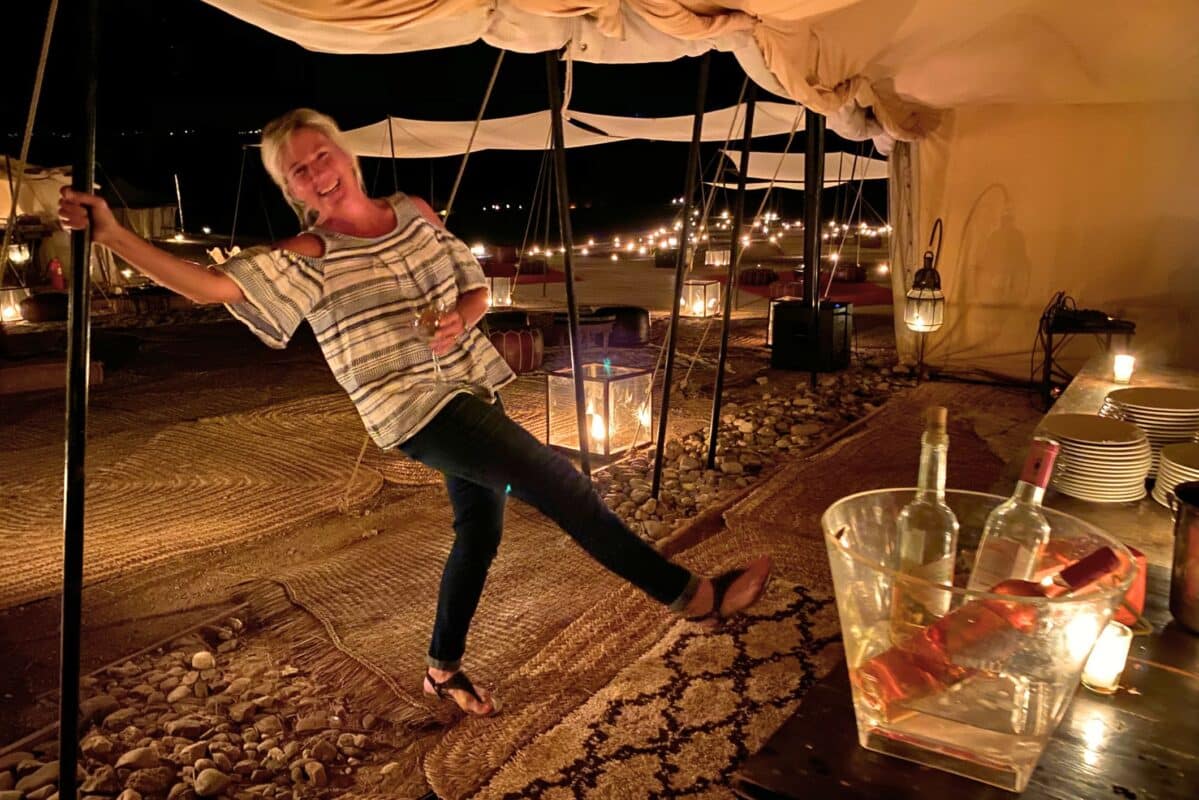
(618, 408)
(500, 291)
(1122, 367)
(1106, 662)
(701, 298)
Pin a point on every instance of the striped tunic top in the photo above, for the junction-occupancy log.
(361, 299)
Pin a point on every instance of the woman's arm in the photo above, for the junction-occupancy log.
(193, 281)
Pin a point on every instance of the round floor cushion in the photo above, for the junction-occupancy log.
(45, 307)
(506, 319)
(524, 350)
(631, 328)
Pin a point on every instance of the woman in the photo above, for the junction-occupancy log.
(360, 273)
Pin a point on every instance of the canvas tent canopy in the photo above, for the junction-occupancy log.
(1054, 139)
(789, 167)
(418, 138)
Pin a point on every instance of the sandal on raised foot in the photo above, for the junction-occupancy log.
(459, 682)
(720, 587)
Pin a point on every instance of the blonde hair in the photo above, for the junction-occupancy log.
(275, 137)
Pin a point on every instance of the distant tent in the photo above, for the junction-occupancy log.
(147, 213)
(37, 203)
(420, 138)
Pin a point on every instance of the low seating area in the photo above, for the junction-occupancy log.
(522, 341)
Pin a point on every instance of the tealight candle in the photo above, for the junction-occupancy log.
(1122, 368)
(1106, 664)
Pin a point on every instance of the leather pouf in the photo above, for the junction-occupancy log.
(524, 350)
(45, 307)
(631, 328)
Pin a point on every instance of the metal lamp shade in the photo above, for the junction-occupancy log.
(924, 311)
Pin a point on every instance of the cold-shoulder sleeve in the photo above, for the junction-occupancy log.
(280, 288)
(467, 273)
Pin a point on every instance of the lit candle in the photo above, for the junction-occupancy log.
(1122, 368)
(1106, 664)
(697, 308)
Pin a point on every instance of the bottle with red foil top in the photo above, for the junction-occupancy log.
(980, 631)
(1016, 530)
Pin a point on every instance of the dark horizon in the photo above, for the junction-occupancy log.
(168, 107)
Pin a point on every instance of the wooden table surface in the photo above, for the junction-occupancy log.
(1141, 743)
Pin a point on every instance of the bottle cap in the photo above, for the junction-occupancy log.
(1039, 464)
(936, 418)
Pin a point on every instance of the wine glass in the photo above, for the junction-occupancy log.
(426, 321)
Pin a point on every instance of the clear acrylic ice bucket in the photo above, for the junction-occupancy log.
(984, 697)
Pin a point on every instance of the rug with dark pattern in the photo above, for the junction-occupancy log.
(678, 721)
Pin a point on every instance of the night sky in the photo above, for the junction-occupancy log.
(183, 86)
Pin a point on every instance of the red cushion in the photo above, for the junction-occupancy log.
(524, 350)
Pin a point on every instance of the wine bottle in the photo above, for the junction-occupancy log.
(983, 630)
(928, 535)
(1016, 530)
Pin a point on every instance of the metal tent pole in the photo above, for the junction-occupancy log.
(813, 182)
(734, 256)
(680, 263)
(83, 178)
(395, 177)
(572, 309)
(241, 177)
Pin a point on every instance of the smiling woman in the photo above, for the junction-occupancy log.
(367, 274)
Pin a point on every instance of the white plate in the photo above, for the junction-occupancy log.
(1157, 397)
(1089, 429)
(1184, 455)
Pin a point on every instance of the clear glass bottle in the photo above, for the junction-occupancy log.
(928, 534)
(1016, 531)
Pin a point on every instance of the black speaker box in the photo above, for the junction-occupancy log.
(811, 343)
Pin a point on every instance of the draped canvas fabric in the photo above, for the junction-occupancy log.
(877, 68)
(789, 167)
(417, 138)
(1100, 201)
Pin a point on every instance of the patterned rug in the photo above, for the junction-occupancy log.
(680, 719)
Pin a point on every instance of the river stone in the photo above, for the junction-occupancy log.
(202, 660)
(102, 781)
(139, 758)
(211, 782)
(155, 780)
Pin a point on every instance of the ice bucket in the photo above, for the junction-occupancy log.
(973, 683)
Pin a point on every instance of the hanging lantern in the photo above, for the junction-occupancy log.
(924, 311)
(701, 298)
(618, 408)
(500, 291)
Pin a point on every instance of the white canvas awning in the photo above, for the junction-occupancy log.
(754, 186)
(419, 138)
(876, 68)
(789, 167)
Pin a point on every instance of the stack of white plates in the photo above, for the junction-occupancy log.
(1101, 460)
(1179, 464)
(1167, 416)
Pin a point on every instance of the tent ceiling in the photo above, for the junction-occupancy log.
(901, 60)
(416, 138)
(789, 167)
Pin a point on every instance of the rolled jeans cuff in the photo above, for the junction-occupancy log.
(681, 602)
(448, 666)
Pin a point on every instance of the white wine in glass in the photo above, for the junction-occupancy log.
(427, 320)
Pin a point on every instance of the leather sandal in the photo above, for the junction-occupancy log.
(459, 682)
(720, 587)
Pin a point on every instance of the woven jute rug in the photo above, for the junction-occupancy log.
(884, 453)
(188, 487)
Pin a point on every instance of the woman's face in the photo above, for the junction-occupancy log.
(319, 173)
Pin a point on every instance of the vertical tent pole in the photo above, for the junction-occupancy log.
(83, 178)
(680, 263)
(395, 178)
(734, 256)
(241, 177)
(572, 309)
(813, 172)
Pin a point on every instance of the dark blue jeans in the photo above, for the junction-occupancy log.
(482, 452)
